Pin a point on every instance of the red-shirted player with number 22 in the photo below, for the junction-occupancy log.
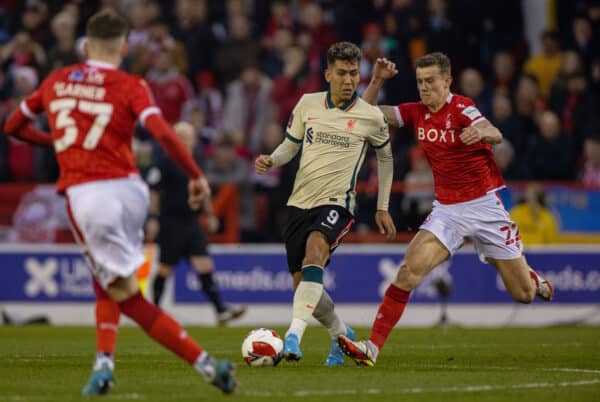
(456, 139)
(92, 109)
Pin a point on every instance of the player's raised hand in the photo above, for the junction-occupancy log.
(263, 163)
(198, 189)
(471, 135)
(384, 69)
(385, 224)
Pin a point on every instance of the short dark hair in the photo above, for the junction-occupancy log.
(344, 51)
(435, 59)
(105, 25)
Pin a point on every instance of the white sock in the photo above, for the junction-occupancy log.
(306, 298)
(297, 327)
(104, 358)
(205, 365)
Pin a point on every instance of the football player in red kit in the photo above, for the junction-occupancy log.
(456, 139)
(92, 108)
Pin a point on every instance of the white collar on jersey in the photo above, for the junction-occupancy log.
(449, 98)
(101, 64)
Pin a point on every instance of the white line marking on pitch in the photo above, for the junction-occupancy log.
(499, 368)
(469, 388)
(487, 345)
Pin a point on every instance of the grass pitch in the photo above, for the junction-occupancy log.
(542, 364)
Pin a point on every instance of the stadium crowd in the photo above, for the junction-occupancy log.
(235, 69)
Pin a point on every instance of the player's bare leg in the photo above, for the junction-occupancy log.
(424, 253)
(308, 292)
(521, 281)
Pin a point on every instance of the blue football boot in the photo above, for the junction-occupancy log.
(291, 348)
(100, 381)
(336, 356)
(224, 377)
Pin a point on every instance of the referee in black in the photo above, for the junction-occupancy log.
(176, 228)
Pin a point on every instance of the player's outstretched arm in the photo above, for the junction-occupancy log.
(172, 145)
(198, 186)
(385, 176)
(18, 125)
(483, 131)
(382, 70)
(280, 156)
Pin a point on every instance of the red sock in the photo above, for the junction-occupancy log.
(161, 327)
(107, 321)
(388, 315)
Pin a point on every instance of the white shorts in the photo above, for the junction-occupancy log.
(107, 218)
(484, 220)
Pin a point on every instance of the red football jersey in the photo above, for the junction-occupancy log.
(170, 93)
(461, 172)
(92, 109)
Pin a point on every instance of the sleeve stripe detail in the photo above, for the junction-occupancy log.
(398, 116)
(292, 138)
(382, 145)
(147, 112)
(26, 111)
(477, 120)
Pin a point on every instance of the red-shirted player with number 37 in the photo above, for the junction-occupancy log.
(456, 140)
(92, 109)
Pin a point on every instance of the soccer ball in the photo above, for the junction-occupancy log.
(262, 347)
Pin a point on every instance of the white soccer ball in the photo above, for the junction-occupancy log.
(262, 347)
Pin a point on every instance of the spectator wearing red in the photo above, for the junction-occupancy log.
(170, 88)
(322, 33)
(281, 17)
(297, 79)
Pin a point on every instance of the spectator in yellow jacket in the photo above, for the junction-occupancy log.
(537, 225)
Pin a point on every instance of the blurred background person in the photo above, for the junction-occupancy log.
(177, 230)
(537, 224)
(171, 88)
(418, 194)
(546, 64)
(229, 164)
(249, 108)
(591, 168)
(510, 167)
(551, 144)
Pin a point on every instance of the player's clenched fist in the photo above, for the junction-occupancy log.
(470, 135)
(263, 163)
(198, 189)
(384, 69)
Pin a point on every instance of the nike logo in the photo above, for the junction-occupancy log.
(326, 225)
(313, 118)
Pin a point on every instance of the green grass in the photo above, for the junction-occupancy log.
(542, 364)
